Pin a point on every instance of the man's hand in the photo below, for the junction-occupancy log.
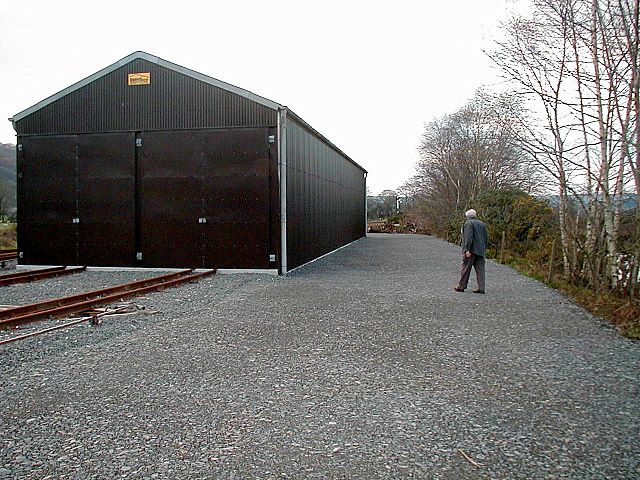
(467, 254)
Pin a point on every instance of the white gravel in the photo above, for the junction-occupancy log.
(364, 364)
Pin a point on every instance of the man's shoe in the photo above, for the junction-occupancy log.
(458, 289)
(478, 291)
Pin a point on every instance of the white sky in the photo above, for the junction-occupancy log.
(366, 74)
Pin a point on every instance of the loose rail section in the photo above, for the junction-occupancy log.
(58, 327)
(82, 301)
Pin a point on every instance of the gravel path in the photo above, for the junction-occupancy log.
(364, 364)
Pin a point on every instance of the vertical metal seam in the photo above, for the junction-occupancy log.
(138, 153)
(366, 207)
(282, 177)
(77, 179)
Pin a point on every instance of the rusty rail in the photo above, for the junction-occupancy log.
(82, 301)
(33, 275)
(8, 256)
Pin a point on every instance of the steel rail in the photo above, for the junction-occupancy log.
(29, 272)
(75, 303)
(33, 275)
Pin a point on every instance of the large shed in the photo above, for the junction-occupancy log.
(146, 163)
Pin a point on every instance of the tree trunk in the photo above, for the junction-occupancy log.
(564, 237)
(603, 141)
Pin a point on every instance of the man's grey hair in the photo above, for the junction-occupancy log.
(470, 213)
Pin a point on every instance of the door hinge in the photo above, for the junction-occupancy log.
(21, 255)
(202, 220)
(138, 255)
(138, 142)
(19, 147)
(272, 139)
(272, 257)
(75, 220)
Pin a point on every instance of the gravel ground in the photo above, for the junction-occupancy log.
(364, 364)
(6, 265)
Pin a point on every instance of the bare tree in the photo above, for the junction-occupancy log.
(467, 153)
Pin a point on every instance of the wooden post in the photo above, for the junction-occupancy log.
(553, 252)
(502, 247)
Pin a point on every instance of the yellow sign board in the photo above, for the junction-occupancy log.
(140, 78)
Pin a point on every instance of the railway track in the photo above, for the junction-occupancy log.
(58, 307)
(4, 255)
(33, 275)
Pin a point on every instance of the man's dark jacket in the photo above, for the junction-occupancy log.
(475, 237)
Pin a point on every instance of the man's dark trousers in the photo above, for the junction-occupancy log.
(477, 262)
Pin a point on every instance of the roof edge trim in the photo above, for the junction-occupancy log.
(153, 59)
(304, 124)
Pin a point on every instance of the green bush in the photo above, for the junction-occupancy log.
(529, 224)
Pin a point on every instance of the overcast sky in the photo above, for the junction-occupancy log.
(367, 74)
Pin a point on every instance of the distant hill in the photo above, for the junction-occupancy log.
(8, 175)
(628, 201)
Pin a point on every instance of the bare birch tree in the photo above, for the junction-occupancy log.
(576, 61)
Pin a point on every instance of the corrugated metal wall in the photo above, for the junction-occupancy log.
(221, 177)
(171, 101)
(325, 197)
(76, 199)
(181, 198)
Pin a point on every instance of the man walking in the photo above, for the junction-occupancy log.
(474, 246)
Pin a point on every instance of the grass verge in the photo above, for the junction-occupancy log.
(621, 311)
(7, 236)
